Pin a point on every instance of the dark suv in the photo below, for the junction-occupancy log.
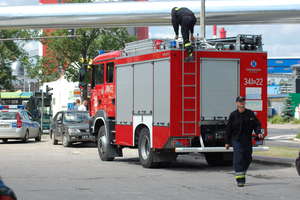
(70, 127)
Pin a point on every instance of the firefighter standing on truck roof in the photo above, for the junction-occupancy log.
(187, 20)
(241, 124)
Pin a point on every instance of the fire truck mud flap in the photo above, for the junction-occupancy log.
(213, 149)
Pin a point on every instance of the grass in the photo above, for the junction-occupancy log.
(295, 121)
(278, 120)
(279, 152)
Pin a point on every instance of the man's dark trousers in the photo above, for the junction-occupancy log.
(187, 26)
(242, 158)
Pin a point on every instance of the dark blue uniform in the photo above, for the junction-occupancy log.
(239, 133)
(187, 20)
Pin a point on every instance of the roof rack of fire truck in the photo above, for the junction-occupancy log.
(239, 43)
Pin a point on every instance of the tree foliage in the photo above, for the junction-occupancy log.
(68, 55)
(10, 51)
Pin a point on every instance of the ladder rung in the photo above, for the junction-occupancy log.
(188, 85)
(189, 73)
(189, 109)
(189, 97)
(188, 133)
(189, 122)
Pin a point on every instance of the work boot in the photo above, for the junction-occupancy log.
(241, 180)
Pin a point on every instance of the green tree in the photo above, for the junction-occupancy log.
(287, 113)
(71, 54)
(10, 51)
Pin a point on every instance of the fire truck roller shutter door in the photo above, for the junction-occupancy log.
(143, 96)
(124, 100)
(161, 116)
(219, 86)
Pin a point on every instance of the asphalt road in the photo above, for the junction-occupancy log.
(41, 171)
(280, 135)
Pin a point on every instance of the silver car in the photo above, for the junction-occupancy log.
(18, 124)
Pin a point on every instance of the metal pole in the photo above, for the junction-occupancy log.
(202, 20)
(42, 110)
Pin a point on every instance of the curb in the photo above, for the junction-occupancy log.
(274, 161)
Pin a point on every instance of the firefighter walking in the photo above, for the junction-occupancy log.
(241, 124)
(187, 20)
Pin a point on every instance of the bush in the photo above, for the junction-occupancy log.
(298, 136)
(278, 120)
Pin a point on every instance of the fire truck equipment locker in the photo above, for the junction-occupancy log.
(219, 87)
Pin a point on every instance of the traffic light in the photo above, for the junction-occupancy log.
(82, 76)
(48, 89)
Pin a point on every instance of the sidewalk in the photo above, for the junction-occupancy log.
(284, 126)
(274, 161)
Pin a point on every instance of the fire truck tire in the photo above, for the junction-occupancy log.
(219, 159)
(146, 155)
(103, 145)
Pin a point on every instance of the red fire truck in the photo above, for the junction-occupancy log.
(147, 97)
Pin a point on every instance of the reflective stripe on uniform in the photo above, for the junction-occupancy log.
(187, 44)
(240, 176)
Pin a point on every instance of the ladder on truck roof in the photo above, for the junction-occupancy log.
(189, 90)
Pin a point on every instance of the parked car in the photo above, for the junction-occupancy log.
(70, 127)
(18, 124)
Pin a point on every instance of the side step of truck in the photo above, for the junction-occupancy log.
(213, 149)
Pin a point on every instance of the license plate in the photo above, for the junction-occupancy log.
(4, 125)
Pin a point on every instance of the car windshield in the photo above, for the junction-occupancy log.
(76, 117)
(7, 115)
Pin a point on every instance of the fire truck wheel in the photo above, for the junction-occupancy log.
(103, 145)
(145, 153)
(219, 159)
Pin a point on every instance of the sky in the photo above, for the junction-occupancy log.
(279, 40)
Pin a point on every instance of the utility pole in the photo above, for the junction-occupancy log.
(202, 21)
(42, 110)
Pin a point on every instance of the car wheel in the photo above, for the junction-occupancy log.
(4, 140)
(103, 145)
(66, 140)
(54, 141)
(146, 155)
(39, 137)
(26, 137)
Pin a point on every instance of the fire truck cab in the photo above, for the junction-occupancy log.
(147, 97)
